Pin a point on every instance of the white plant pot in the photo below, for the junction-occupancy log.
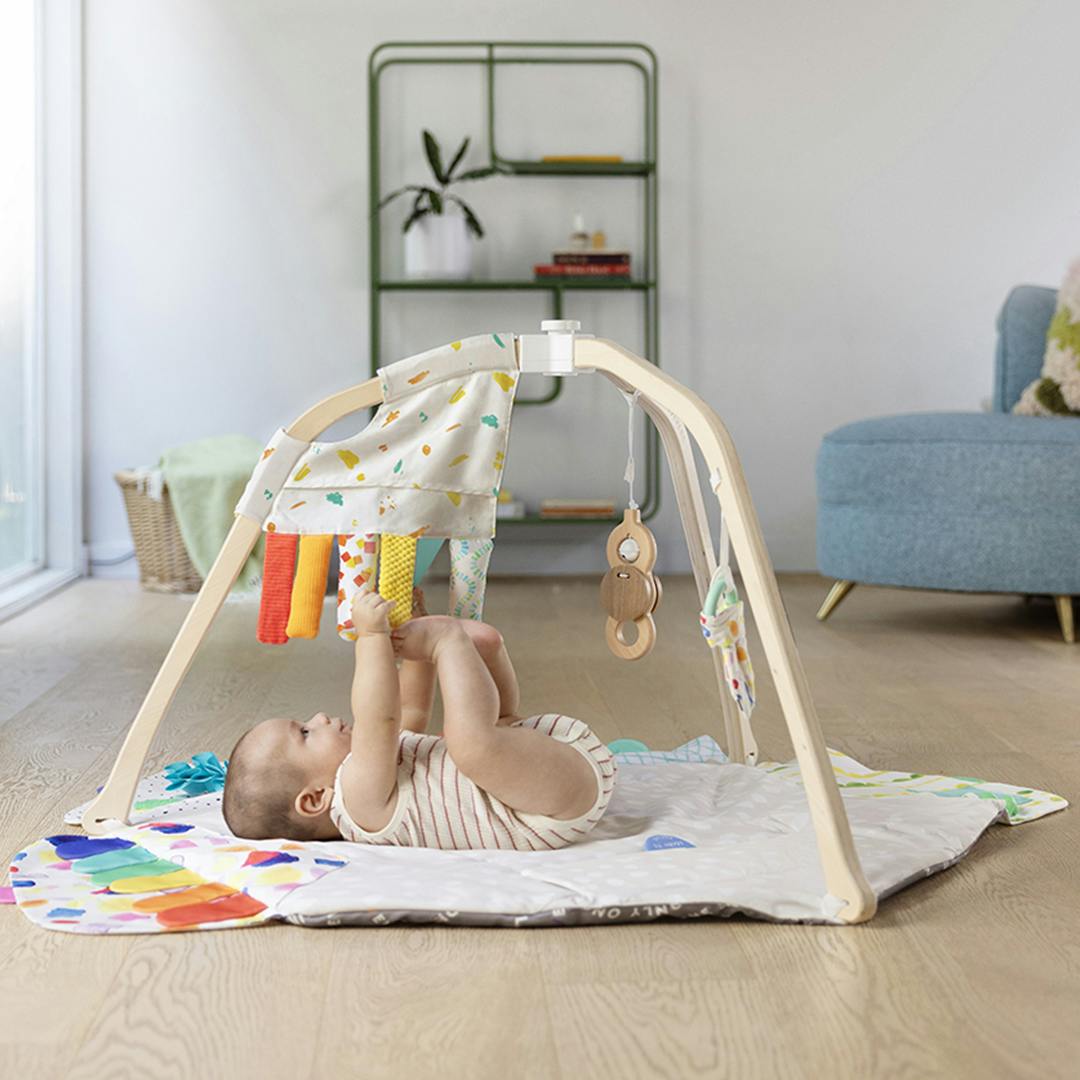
(439, 246)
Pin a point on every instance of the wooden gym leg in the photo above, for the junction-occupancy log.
(839, 590)
(840, 862)
(115, 798)
(1064, 607)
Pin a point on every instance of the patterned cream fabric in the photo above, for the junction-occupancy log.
(469, 561)
(357, 556)
(430, 463)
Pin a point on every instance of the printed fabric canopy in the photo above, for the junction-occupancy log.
(429, 463)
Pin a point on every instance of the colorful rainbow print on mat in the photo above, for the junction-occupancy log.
(156, 877)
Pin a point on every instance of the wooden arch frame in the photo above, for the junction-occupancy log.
(678, 414)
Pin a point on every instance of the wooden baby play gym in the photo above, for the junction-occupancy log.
(428, 465)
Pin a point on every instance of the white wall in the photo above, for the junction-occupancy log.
(848, 190)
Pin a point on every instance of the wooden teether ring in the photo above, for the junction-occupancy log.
(629, 592)
(615, 635)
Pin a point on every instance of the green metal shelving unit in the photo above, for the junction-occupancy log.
(646, 170)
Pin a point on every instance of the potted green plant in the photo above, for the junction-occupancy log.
(441, 227)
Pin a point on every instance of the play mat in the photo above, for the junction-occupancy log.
(687, 834)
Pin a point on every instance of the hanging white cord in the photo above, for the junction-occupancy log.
(722, 558)
(628, 476)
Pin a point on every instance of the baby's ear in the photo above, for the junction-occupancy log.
(313, 801)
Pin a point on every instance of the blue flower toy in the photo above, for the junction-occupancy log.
(203, 774)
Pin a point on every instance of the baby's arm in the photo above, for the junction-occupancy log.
(369, 779)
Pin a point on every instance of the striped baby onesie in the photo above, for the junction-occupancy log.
(439, 807)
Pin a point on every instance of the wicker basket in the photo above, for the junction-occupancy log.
(164, 565)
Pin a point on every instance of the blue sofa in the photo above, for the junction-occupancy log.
(975, 502)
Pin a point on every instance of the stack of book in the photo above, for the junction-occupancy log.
(587, 263)
(577, 508)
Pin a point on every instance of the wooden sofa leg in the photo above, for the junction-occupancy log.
(1065, 617)
(837, 593)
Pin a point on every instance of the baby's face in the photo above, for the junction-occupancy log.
(314, 748)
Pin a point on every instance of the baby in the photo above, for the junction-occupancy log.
(492, 780)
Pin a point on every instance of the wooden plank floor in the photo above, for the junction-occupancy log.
(973, 972)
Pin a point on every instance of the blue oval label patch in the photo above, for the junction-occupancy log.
(661, 841)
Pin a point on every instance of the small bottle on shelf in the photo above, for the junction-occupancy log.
(599, 240)
(579, 238)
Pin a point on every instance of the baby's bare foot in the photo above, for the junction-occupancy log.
(419, 638)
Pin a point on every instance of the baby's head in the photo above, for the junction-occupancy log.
(280, 779)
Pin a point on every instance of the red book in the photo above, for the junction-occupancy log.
(554, 270)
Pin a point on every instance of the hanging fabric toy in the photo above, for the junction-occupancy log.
(426, 468)
(397, 564)
(469, 561)
(724, 625)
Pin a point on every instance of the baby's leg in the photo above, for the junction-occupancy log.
(492, 649)
(489, 644)
(417, 681)
(528, 771)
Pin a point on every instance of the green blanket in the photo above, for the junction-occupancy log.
(205, 480)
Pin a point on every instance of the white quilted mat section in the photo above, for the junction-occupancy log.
(753, 851)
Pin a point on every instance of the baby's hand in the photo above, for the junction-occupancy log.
(371, 613)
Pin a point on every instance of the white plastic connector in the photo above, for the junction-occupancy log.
(552, 352)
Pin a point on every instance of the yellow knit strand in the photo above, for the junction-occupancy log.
(309, 586)
(397, 566)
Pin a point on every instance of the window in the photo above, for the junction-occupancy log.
(41, 545)
(21, 421)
